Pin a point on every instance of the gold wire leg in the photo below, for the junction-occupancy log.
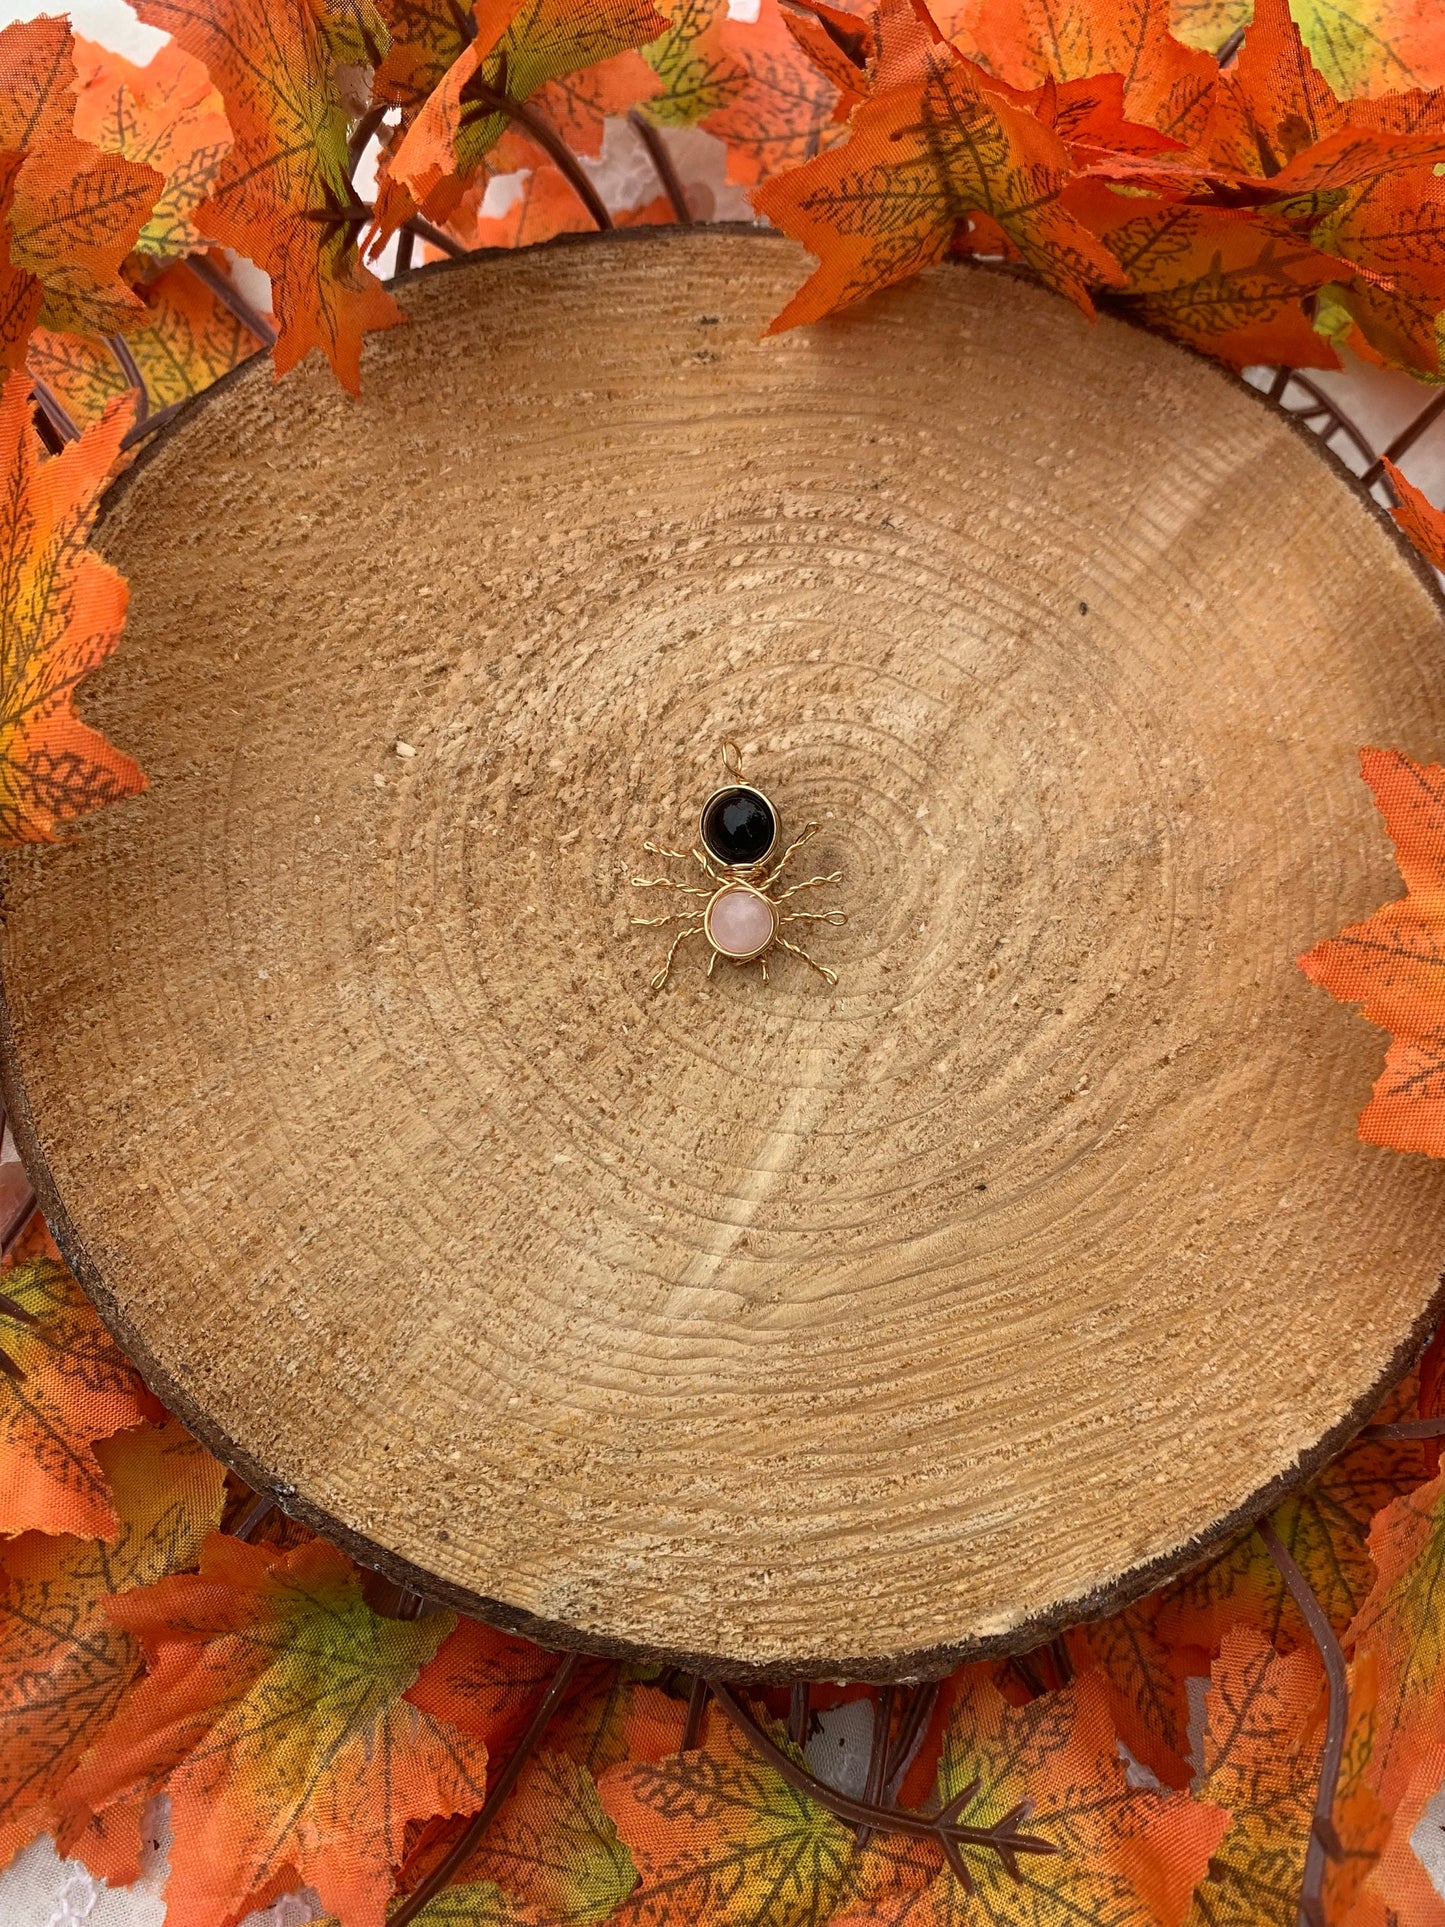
(660, 977)
(834, 917)
(805, 835)
(668, 883)
(712, 963)
(809, 883)
(830, 976)
(763, 966)
(656, 849)
(671, 916)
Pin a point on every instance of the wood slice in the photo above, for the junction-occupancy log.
(790, 1329)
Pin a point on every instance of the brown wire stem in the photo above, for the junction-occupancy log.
(497, 1792)
(1406, 439)
(799, 1713)
(361, 135)
(549, 140)
(54, 410)
(230, 297)
(253, 1518)
(435, 238)
(657, 153)
(952, 1835)
(696, 1708)
(128, 366)
(1324, 1841)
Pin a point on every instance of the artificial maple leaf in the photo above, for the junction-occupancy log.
(1397, 1891)
(592, 1725)
(841, 45)
(485, 1682)
(283, 195)
(61, 611)
(1418, 517)
(426, 36)
(655, 1725)
(75, 213)
(553, 1848)
(1401, 1626)
(1273, 103)
(63, 1665)
(1219, 281)
(21, 293)
(578, 105)
(1118, 1857)
(1362, 1827)
(1393, 964)
(273, 1715)
(1325, 1527)
(697, 71)
(782, 112)
(932, 143)
(1361, 47)
(1261, 1767)
(546, 204)
(185, 340)
(64, 1386)
(1145, 1682)
(166, 115)
(718, 1835)
(520, 45)
(1166, 85)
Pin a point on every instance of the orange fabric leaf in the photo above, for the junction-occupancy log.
(1325, 1527)
(1145, 1682)
(655, 1724)
(166, 115)
(577, 104)
(1273, 102)
(1360, 46)
(698, 72)
(1261, 1767)
(594, 1726)
(932, 143)
(273, 1715)
(485, 1682)
(63, 1665)
(21, 293)
(1122, 1857)
(554, 1849)
(427, 36)
(76, 213)
(840, 45)
(1224, 283)
(520, 45)
(1400, 1627)
(1417, 515)
(718, 1835)
(283, 195)
(546, 205)
(1166, 85)
(66, 1387)
(185, 340)
(61, 611)
(783, 111)
(1393, 964)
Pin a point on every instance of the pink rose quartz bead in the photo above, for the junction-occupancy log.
(739, 923)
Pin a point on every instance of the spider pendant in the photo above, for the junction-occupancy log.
(737, 907)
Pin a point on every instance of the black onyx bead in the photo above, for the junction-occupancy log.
(738, 827)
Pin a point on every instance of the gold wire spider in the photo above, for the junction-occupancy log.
(738, 910)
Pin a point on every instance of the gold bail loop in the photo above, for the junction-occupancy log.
(732, 758)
